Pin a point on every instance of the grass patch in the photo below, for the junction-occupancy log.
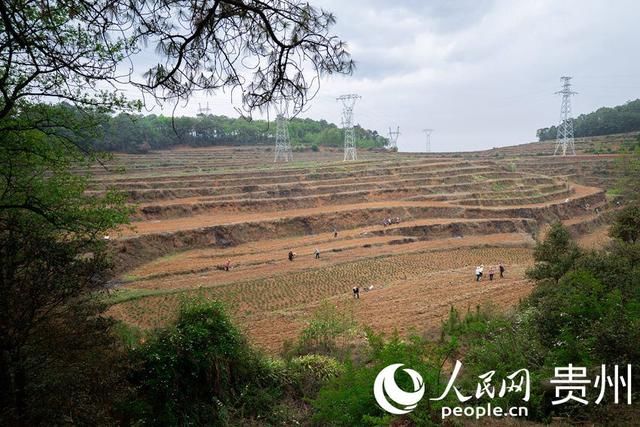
(123, 295)
(127, 278)
(498, 186)
(613, 192)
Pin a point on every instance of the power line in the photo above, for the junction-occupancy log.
(204, 110)
(393, 139)
(348, 102)
(427, 132)
(283, 145)
(564, 138)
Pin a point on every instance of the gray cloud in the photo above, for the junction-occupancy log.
(481, 73)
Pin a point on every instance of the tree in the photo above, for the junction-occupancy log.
(124, 132)
(629, 182)
(200, 371)
(76, 50)
(53, 259)
(626, 226)
(555, 255)
(53, 255)
(604, 121)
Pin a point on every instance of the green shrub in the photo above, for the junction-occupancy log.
(309, 372)
(348, 399)
(330, 332)
(584, 310)
(201, 371)
(555, 255)
(626, 226)
(501, 343)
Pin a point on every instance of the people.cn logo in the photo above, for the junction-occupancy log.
(385, 386)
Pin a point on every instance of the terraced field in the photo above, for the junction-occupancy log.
(197, 209)
(601, 170)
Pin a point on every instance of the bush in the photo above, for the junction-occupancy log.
(555, 255)
(585, 310)
(626, 226)
(310, 372)
(330, 332)
(201, 371)
(348, 399)
(500, 343)
(565, 311)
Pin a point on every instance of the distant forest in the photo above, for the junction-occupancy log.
(604, 121)
(139, 133)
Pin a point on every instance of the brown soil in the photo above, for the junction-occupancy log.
(411, 290)
(202, 207)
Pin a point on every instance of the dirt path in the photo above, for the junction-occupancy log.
(199, 221)
(231, 204)
(416, 306)
(595, 239)
(410, 290)
(203, 267)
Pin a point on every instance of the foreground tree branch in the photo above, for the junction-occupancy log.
(88, 52)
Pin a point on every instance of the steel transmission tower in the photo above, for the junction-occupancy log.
(204, 110)
(564, 138)
(283, 145)
(393, 138)
(427, 132)
(348, 102)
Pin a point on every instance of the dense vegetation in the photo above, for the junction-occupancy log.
(57, 355)
(604, 121)
(138, 133)
(584, 310)
(62, 361)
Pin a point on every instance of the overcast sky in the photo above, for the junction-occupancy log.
(482, 73)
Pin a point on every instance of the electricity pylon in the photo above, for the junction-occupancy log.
(203, 110)
(348, 102)
(283, 145)
(393, 138)
(564, 137)
(427, 132)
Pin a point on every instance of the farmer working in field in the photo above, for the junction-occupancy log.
(501, 268)
(317, 252)
(227, 265)
(479, 271)
(291, 255)
(356, 292)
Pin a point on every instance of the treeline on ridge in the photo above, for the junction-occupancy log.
(139, 133)
(603, 121)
